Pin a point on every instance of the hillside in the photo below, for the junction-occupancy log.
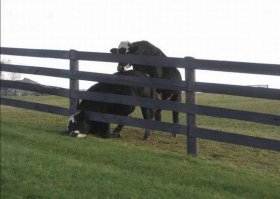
(39, 161)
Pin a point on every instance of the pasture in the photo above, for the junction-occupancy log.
(38, 160)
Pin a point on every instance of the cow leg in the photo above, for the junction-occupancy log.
(116, 131)
(148, 115)
(175, 121)
(158, 115)
(157, 112)
(104, 130)
(175, 114)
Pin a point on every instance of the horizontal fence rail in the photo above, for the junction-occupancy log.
(238, 67)
(181, 107)
(238, 115)
(245, 91)
(35, 70)
(234, 138)
(224, 66)
(132, 59)
(149, 124)
(189, 85)
(99, 77)
(59, 54)
(35, 106)
(62, 92)
(146, 102)
(133, 81)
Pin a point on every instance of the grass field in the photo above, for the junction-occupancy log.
(39, 161)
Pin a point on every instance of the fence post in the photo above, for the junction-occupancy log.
(190, 100)
(74, 83)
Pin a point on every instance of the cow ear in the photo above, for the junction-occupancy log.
(132, 49)
(114, 50)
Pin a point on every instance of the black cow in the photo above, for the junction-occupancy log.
(146, 48)
(79, 123)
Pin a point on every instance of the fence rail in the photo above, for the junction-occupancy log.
(149, 103)
(58, 54)
(35, 70)
(62, 92)
(234, 138)
(36, 106)
(245, 91)
(189, 85)
(238, 67)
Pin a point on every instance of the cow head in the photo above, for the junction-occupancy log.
(124, 48)
(77, 125)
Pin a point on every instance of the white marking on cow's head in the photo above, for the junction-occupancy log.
(124, 44)
(72, 121)
(71, 118)
(123, 48)
(127, 66)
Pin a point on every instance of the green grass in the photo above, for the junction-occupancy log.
(39, 161)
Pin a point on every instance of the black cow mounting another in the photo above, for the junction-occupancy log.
(146, 48)
(79, 123)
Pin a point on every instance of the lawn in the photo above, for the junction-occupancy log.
(39, 161)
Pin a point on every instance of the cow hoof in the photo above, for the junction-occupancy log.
(76, 134)
(80, 135)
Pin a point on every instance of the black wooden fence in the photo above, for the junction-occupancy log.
(189, 85)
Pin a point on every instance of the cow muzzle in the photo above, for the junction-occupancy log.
(122, 67)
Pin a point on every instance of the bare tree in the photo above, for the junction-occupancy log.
(2, 75)
(10, 76)
(14, 76)
(7, 75)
